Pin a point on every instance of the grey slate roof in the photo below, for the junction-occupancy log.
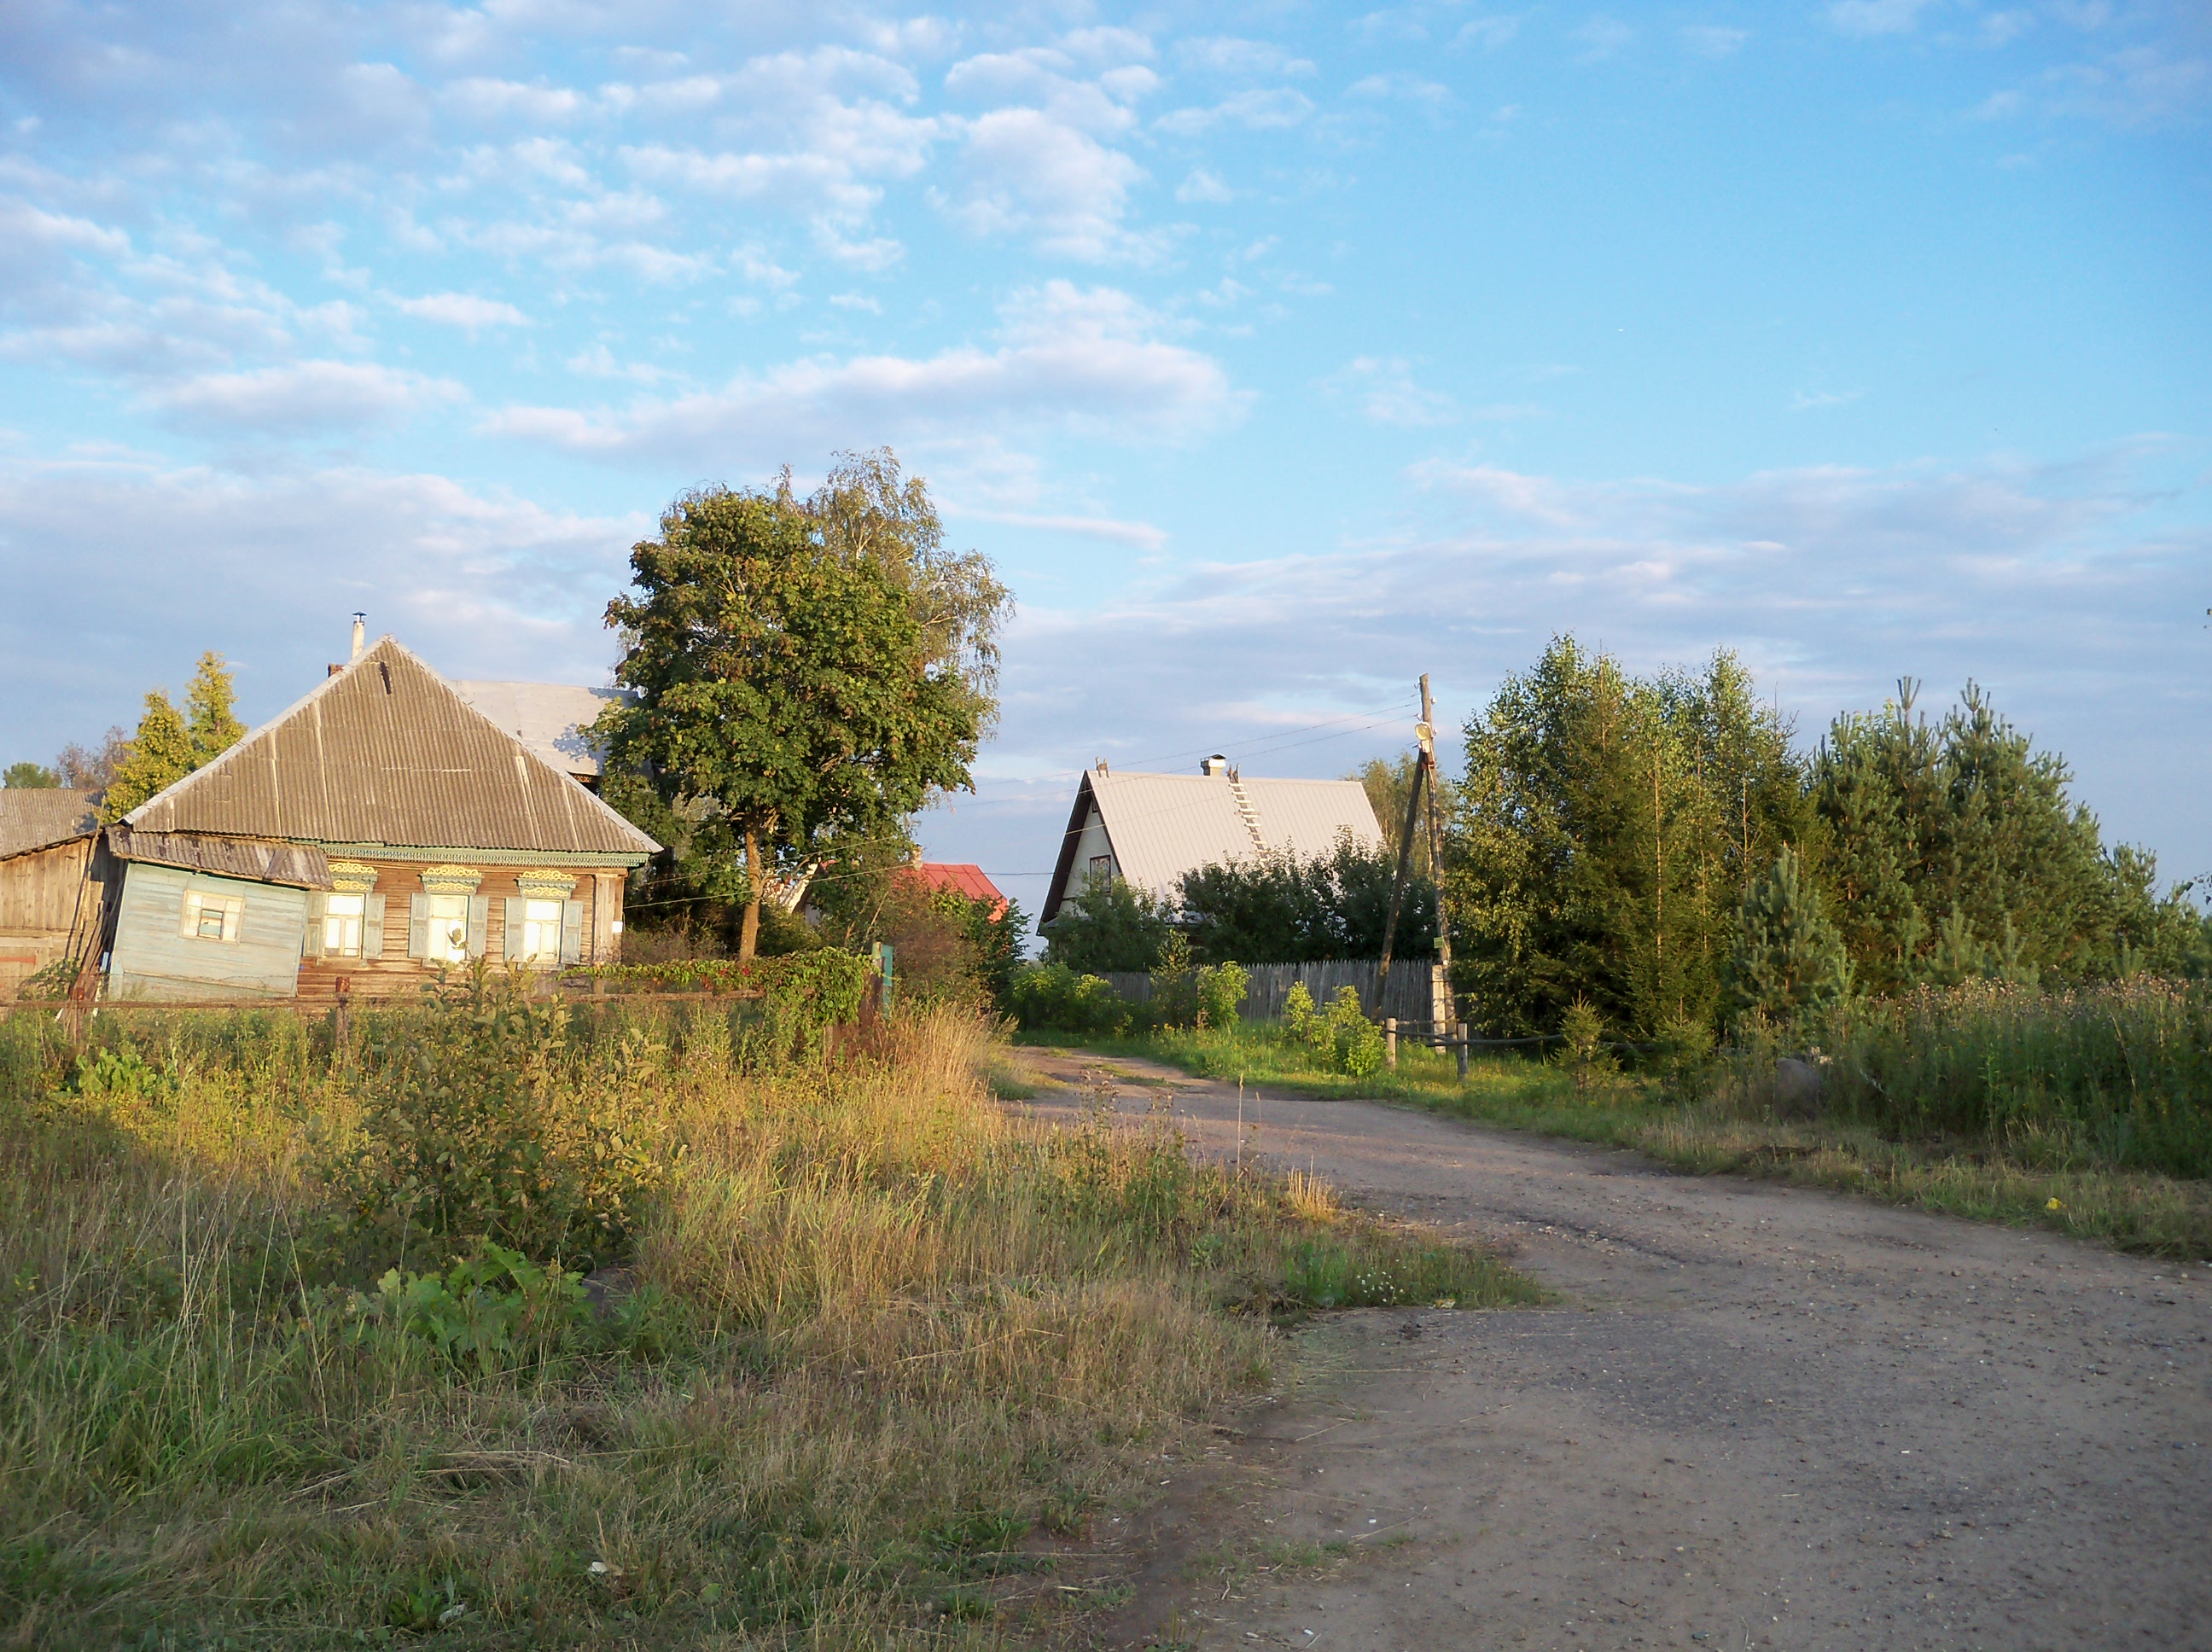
(387, 752)
(547, 716)
(39, 817)
(1161, 826)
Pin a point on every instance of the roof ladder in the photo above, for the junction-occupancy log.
(1244, 813)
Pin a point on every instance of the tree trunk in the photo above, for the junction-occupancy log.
(749, 936)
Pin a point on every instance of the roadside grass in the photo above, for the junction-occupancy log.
(876, 1347)
(2057, 1173)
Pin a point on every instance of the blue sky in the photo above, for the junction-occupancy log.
(1277, 353)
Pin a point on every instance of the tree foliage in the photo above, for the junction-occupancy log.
(168, 745)
(1108, 924)
(1788, 958)
(1604, 835)
(30, 776)
(1283, 908)
(1655, 850)
(1389, 788)
(794, 684)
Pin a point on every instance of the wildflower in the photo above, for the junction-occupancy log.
(2055, 1204)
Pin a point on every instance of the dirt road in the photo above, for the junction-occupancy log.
(1761, 1416)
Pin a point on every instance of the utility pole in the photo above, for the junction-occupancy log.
(1449, 1018)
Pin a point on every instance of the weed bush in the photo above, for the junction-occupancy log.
(1053, 996)
(473, 1129)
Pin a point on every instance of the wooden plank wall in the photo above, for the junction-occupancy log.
(1405, 998)
(151, 960)
(599, 888)
(38, 902)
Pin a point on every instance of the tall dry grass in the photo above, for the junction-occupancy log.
(873, 1338)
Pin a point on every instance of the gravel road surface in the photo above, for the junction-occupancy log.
(1760, 1416)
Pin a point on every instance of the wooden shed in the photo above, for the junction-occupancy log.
(48, 839)
(379, 830)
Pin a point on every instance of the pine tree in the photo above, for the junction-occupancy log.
(214, 728)
(1788, 956)
(161, 755)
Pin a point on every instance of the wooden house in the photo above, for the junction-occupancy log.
(48, 840)
(380, 829)
(1150, 829)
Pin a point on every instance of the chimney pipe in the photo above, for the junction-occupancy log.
(1217, 766)
(360, 633)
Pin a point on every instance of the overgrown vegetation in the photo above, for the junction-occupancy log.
(2088, 1110)
(296, 1352)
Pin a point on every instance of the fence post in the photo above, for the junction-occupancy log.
(1459, 1048)
(1390, 1043)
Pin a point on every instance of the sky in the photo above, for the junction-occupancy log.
(1276, 354)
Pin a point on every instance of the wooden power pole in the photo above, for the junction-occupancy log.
(1424, 789)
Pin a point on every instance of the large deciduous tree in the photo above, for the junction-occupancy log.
(805, 672)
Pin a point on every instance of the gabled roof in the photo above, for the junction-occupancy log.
(39, 817)
(1160, 826)
(549, 718)
(387, 752)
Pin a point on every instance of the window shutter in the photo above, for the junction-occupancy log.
(418, 925)
(311, 944)
(233, 918)
(188, 920)
(572, 931)
(479, 923)
(372, 928)
(512, 946)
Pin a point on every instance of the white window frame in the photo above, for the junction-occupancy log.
(344, 918)
(227, 912)
(541, 930)
(448, 941)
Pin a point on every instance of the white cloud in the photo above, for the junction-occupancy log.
(1203, 186)
(1409, 88)
(480, 584)
(1029, 174)
(1090, 360)
(1241, 59)
(463, 310)
(1143, 534)
(1602, 37)
(1490, 32)
(1877, 16)
(1710, 41)
(1383, 390)
(598, 361)
(482, 98)
(303, 396)
(1269, 110)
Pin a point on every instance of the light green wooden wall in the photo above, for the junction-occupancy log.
(151, 960)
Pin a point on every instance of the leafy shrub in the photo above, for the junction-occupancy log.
(1052, 995)
(1220, 993)
(1110, 924)
(471, 1129)
(1342, 1036)
(491, 1310)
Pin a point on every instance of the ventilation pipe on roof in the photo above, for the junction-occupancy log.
(360, 633)
(1217, 766)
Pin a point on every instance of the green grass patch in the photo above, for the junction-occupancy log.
(2056, 1170)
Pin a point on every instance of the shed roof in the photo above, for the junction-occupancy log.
(39, 817)
(549, 717)
(387, 752)
(1161, 826)
(302, 866)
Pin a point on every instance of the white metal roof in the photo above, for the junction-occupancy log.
(546, 717)
(1161, 826)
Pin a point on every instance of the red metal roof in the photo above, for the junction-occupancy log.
(961, 876)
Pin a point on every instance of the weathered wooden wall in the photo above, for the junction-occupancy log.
(151, 960)
(599, 891)
(1406, 996)
(38, 903)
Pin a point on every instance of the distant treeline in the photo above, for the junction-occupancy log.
(1663, 850)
